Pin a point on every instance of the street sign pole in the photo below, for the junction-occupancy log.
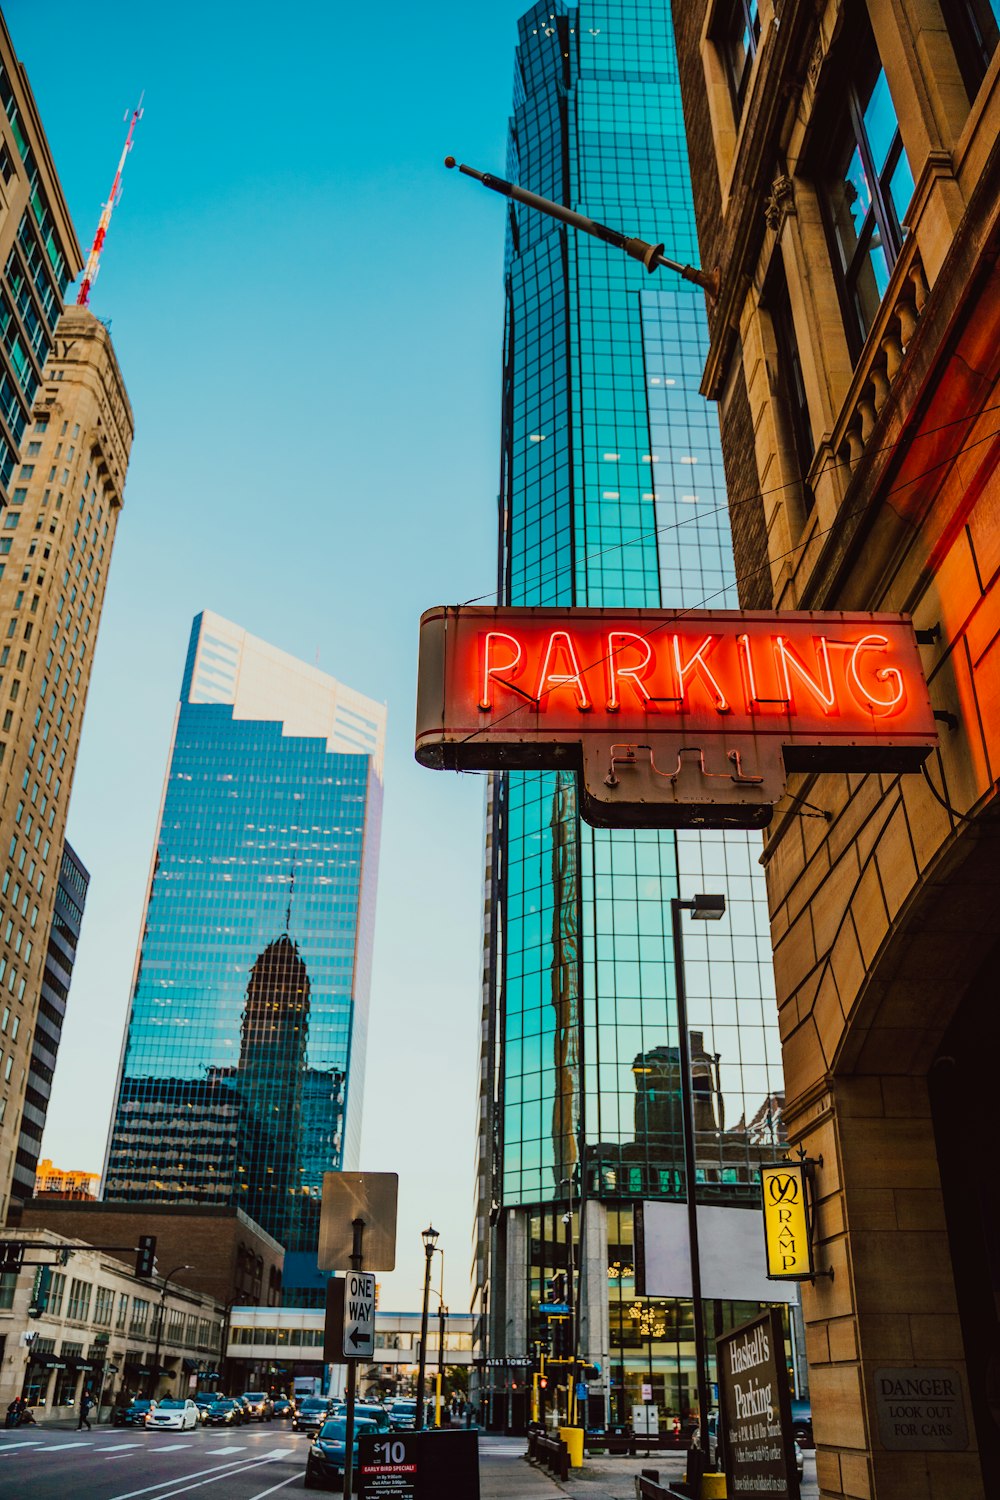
(357, 1264)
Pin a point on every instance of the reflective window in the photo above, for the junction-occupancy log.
(974, 28)
(867, 186)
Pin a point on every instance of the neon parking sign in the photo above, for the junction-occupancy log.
(671, 718)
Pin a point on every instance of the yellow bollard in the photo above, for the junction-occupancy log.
(573, 1438)
(713, 1487)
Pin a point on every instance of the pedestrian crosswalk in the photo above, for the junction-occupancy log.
(54, 1443)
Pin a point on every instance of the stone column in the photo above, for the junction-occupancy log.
(880, 1226)
(595, 1337)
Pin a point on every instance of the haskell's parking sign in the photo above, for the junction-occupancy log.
(672, 718)
(755, 1411)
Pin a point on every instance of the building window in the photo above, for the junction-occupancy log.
(737, 34)
(57, 1289)
(140, 1315)
(103, 1305)
(79, 1300)
(8, 1285)
(867, 185)
(974, 28)
(122, 1314)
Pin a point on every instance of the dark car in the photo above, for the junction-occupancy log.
(311, 1413)
(224, 1414)
(325, 1464)
(133, 1415)
(403, 1417)
(366, 1411)
(802, 1424)
(283, 1407)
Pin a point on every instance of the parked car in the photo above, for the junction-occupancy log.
(327, 1453)
(370, 1412)
(312, 1412)
(133, 1415)
(258, 1405)
(173, 1415)
(802, 1424)
(403, 1417)
(225, 1413)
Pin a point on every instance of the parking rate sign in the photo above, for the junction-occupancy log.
(359, 1315)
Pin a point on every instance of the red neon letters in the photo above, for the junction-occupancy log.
(669, 671)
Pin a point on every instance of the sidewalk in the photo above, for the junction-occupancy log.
(504, 1471)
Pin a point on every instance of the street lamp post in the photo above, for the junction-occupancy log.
(430, 1239)
(442, 1320)
(703, 909)
(159, 1326)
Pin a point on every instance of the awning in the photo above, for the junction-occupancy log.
(51, 1364)
(189, 1364)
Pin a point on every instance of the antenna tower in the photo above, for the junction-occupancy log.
(114, 197)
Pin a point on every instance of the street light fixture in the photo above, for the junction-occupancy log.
(703, 909)
(159, 1325)
(430, 1238)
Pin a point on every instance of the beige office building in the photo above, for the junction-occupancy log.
(56, 537)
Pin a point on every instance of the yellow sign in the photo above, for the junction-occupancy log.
(786, 1222)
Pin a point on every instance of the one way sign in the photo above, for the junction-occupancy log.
(359, 1315)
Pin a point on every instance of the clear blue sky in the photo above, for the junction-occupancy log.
(307, 310)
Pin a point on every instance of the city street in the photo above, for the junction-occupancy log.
(124, 1464)
(115, 1463)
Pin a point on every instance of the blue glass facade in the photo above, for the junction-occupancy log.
(243, 1064)
(613, 493)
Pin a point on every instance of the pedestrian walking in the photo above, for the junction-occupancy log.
(86, 1406)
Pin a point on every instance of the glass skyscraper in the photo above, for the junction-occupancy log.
(612, 493)
(243, 1066)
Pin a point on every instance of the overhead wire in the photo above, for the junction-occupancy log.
(677, 614)
(730, 505)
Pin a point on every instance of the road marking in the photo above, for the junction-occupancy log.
(223, 1471)
(280, 1486)
(280, 1453)
(113, 1447)
(87, 1443)
(214, 1452)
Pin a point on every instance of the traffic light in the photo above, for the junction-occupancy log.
(40, 1292)
(145, 1256)
(11, 1256)
(557, 1287)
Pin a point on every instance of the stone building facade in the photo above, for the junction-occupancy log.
(98, 1327)
(56, 537)
(847, 186)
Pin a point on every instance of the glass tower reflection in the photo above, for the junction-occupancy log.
(243, 1065)
(612, 494)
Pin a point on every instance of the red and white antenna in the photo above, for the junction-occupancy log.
(94, 258)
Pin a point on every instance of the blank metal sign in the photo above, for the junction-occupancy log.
(370, 1197)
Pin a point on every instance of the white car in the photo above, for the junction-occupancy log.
(173, 1416)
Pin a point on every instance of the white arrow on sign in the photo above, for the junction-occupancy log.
(359, 1314)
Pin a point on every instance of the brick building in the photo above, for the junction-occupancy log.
(847, 185)
(229, 1257)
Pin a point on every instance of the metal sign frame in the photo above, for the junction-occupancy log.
(671, 718)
